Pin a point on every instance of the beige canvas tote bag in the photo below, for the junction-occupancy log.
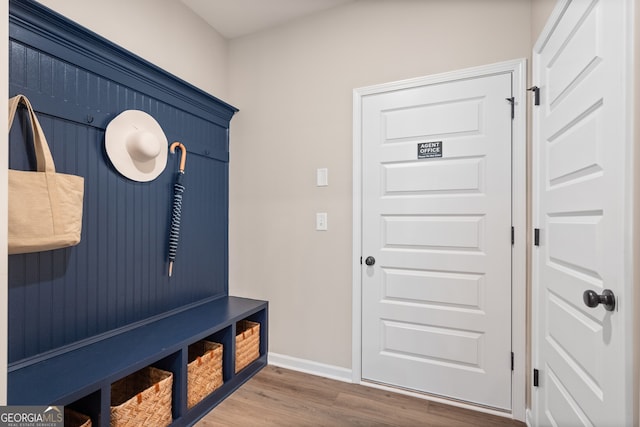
(45, 207)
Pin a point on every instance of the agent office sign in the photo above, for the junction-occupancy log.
(428, 150)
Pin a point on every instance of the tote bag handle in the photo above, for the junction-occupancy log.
(44, 160)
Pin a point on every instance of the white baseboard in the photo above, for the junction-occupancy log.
(528, 418)
(310, 367)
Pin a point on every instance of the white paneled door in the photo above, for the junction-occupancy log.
(436, 239)
(582, 152)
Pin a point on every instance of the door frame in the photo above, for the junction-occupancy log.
(517, 68)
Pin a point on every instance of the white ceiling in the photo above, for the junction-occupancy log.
(236, 18)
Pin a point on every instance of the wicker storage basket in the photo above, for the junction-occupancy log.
(75, 419)
(247, 343)
(142, 399)
(204, 371)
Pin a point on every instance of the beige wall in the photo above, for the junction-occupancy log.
(293, 85)
(164, 32)
(540, 12)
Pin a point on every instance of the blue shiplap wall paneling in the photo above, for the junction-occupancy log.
(117, 275)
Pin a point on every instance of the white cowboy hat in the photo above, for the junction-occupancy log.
(136, 145)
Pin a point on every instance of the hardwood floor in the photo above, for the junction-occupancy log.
(281, 397)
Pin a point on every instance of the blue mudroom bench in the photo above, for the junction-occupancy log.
(82, 377)
(84, 317)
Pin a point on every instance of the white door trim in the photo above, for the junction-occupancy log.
(517, 68)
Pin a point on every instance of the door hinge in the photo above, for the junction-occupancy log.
(512, 360)
(536, 236)
(536, 94)
(536, 378)
(513, 235)
(360, 260)
(512, 101)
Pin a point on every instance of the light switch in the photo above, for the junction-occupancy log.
(321, 221)
(322, 177)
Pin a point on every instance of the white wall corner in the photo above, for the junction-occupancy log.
(4, 92)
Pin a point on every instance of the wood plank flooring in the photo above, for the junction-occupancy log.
(281, 397)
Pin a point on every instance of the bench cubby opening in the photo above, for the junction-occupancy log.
(224, 337)
(89, 406)
(260, 317)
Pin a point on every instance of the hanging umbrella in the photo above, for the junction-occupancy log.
(178, 190)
